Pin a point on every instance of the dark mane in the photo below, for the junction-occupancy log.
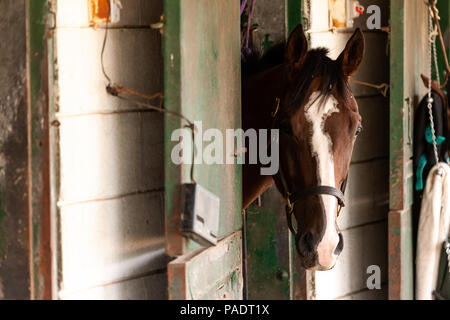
(317, 63)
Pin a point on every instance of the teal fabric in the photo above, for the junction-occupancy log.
(423, 159)
(419, 174)
(429, 137)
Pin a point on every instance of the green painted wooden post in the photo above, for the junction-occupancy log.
(268, 253)
(408, 60)
(397, 151)
(39, 37)
(297, 275)
(273, 268)
(202, 81)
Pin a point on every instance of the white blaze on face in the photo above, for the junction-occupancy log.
(317, 112)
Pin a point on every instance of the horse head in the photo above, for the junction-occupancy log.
(319, 121)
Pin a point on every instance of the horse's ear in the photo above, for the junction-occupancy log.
(352, 56)
(297, 48)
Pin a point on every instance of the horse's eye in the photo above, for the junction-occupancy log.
(358, 130)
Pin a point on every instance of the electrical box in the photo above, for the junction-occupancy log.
(200, 211)
(103, 11)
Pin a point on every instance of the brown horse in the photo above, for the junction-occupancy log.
(307, 97)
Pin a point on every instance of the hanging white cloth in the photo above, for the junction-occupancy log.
(433, 229)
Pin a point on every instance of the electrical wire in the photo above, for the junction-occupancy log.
(116, 90)
(104, 45)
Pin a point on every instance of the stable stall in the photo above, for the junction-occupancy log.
(107, 213)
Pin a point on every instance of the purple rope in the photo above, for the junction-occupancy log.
(249, 22)
(244, 3)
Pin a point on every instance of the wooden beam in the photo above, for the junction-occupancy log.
(39, 149)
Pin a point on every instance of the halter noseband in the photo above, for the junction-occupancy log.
(292, 198)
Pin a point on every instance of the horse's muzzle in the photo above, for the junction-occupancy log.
(306, 247)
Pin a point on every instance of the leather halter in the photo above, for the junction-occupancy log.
(292, 198)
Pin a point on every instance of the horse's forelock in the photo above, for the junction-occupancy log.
(317, 64)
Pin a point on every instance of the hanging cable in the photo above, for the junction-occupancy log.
(104, 45)
(245, 39)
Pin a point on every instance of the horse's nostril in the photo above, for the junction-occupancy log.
(306, 244)
(340, 245)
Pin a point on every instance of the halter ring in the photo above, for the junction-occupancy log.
(274, 114)
(289, 204)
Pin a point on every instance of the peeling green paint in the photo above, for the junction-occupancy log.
(264, 246)
(202, 81)
(234, 278)
(395, 231)
(39, 39)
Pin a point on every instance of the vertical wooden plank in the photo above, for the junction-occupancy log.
(53, 150)
(268, 252)
(400, 255)
(397, 105)
(297, 275)
(39, 149)
(202, 81)
(14, 229)
(172, 101)
(397, 157)
(408, 60)
(273, 266)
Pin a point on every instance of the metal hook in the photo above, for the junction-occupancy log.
(159, 25)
